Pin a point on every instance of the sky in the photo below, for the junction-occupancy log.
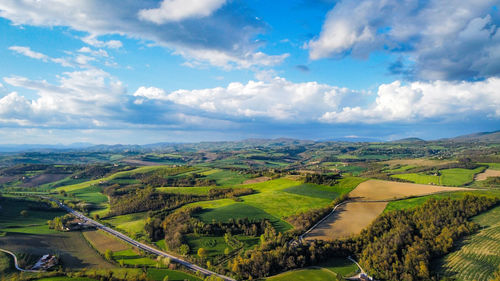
(138, 72)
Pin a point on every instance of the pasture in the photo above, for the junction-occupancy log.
(132, 224)
(478, 256)
(419, 178)
(459, 177)
(35, 222)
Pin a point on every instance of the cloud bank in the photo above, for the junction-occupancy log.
(443, 39)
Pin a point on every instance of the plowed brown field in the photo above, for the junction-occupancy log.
(350, 218)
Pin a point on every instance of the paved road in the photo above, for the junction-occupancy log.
(137, 244)
(16, 264)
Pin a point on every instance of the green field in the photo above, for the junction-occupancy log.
(415, 202)
(11, 221)
(173, 275)
(240, 211)
(227, 177)
(419, 178)
(448, 177)
(478, 256)
(493, 166)
(311, 274)
(133, 224)
(131, 257)
(459, 177)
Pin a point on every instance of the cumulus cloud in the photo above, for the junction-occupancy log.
(79, 96)
(225, 38)
(177, 10)
(311, 102)
(425, 100)
(449, 39)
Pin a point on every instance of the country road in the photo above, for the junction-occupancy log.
(137, 244)
(16, 264)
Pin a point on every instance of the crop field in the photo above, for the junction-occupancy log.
(493, 166)
(349, 219)
(478, 256)
(389, 190)
(133, 224)
(352, 217)
(241, 210)
(118, 175)
(173, 275)
(91, 194)
(102, 241)
(419, 178)
(314, 190)
(486, 174)
(73, 249)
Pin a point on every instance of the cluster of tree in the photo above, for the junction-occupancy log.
(97, 171)
(136, 198)
(58, 223)
(140, 200)
(182, 222)
(326, 179)
(399, 245)
(303, 221)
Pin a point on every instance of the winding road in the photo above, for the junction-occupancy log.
(16, 264)
(138, 244)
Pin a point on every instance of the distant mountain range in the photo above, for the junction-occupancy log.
(486, 137)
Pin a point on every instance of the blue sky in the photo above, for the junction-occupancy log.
(187, 70)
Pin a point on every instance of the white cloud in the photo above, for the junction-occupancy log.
(447, 39)
(425, 100)
(178, 10)
(93, 41)
(276, 98)
(225, 39)
(26, 51)
(96, 53)
(80, 97)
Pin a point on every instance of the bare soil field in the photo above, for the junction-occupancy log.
(348, 219)
(6, 179)
(256, 180)
(43, 179)
(352, 217)
(74, 251)
(416, 162)
(102, 241)
(487, 174)
(379, 190)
